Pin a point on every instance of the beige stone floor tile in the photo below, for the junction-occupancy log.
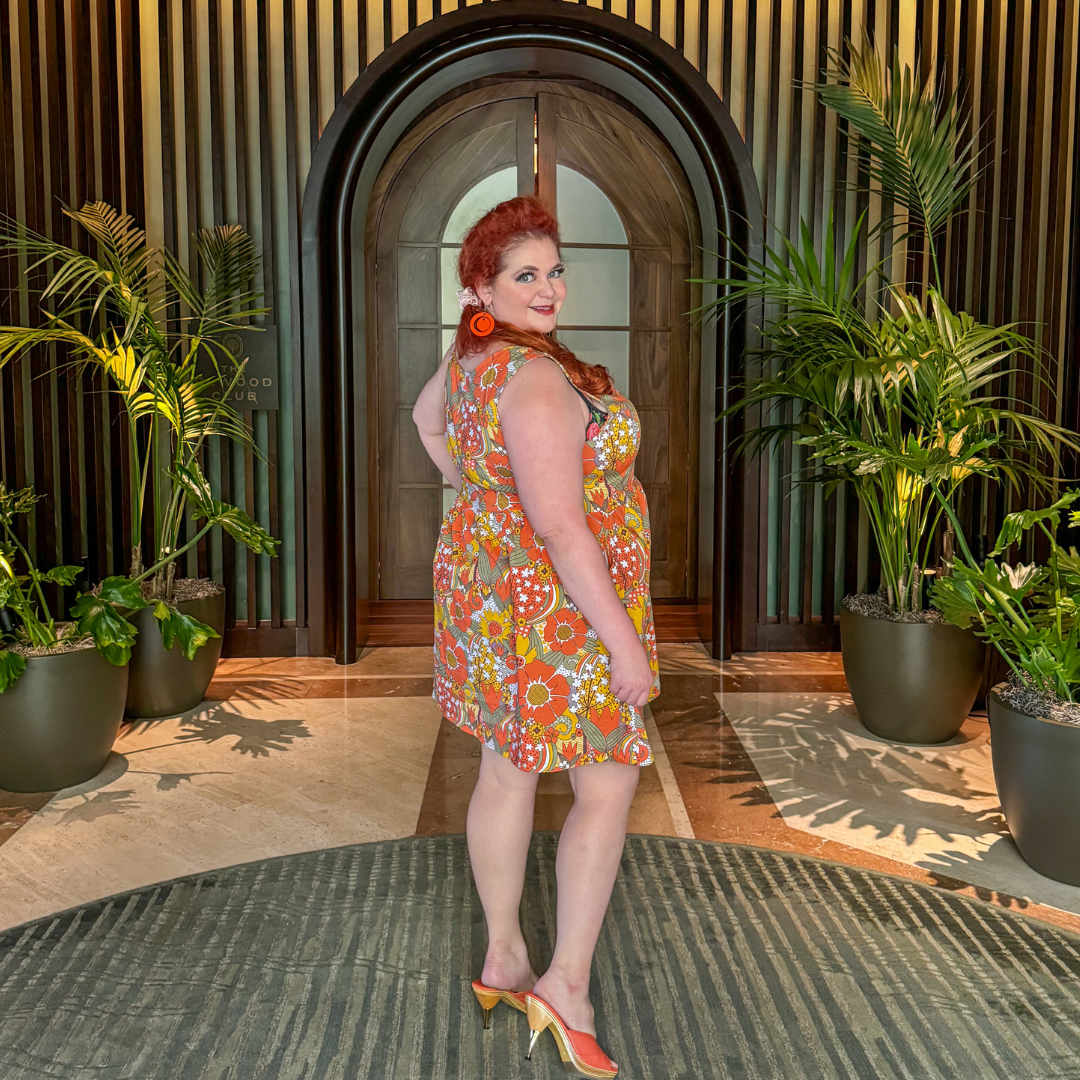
(932, 807)
(226, 783)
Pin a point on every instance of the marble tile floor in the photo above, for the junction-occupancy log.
(297, 753)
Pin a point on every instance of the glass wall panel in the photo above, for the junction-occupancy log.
(449, 284)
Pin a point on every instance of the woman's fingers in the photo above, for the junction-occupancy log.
(630, 694)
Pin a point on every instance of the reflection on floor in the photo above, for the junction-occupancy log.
(298, 753)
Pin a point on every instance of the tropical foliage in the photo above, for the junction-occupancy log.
(27, 618)
(112, 311)
(893, 392)
(1031, 614)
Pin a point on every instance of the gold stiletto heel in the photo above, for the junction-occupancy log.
(489, 997)
(580, 1052)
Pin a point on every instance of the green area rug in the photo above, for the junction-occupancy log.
(716, 961)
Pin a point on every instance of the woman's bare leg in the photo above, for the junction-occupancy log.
(499, 827)
(590, 849)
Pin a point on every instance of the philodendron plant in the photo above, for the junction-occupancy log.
(1029, 613)
(111, 312)
(27, 619)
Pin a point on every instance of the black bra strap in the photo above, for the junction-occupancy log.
(592, 405)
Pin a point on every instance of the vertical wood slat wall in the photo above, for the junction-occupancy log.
(190, 112)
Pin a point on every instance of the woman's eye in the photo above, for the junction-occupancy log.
(558, 272)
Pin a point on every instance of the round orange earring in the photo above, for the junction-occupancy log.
(481, 324)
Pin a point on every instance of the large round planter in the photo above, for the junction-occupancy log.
(1036, 766)
(910, 682)
(59, 721)
(166, 683)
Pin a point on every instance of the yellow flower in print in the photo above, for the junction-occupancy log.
(495, 626)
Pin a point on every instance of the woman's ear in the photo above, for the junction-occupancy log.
(485, 293)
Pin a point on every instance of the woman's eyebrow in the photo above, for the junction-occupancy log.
(533, 268)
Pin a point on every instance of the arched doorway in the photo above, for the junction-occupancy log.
(631, 239)
(338, 368)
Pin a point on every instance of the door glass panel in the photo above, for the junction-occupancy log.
(477, 201)
(597, 287)
(449, 285)
(608, 347)
(586, 214)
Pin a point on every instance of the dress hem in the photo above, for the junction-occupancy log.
(466, 730)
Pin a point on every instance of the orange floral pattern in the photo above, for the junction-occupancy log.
(516, 663)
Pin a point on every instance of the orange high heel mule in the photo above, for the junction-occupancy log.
(489, 997)
(577, 1049)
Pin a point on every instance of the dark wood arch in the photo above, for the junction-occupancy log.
(513, 38)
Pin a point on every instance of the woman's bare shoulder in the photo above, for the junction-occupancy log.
(541, 375)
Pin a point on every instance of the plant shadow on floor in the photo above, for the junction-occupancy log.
(823, 767)
(813, 764)
(255, 736)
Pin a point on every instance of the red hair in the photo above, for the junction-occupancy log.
(483, 257)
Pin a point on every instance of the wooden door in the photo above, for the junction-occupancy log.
(630, 239)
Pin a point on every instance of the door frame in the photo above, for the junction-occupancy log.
(482, 42)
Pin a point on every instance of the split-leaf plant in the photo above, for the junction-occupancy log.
(27, 618)
(1029, 613)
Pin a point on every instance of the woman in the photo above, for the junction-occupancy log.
(544, 642)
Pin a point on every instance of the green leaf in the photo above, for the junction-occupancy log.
(191, 479)
(59, 575)
(958, 600)
(1015, 525)
(176, 626)
(100, 618)
(12, 665)
(239, 526)
(122, 591)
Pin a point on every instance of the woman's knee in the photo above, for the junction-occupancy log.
(505, 775)
(610, 783)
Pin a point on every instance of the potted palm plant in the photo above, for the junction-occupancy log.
(1031, 615)
(110, 311)
(891, 390)
(62, 691)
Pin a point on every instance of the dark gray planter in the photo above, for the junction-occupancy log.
(59, 721)
(166, 683)
(1036, 768)
(911, 682)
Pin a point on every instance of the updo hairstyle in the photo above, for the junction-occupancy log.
(483, 257)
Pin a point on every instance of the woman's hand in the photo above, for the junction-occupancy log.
(631, 676)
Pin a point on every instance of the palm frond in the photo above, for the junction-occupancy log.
(918, 154)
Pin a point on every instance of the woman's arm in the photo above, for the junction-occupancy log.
(429, 416)
(543, 425)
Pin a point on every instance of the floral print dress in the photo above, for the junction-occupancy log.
(516, 663)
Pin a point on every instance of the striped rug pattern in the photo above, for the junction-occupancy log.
(716, 961)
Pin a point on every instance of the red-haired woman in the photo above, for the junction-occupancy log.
(544, 642)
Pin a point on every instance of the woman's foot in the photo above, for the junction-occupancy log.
(569, 997)
(508, 970)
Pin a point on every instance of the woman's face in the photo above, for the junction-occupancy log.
(531, 289)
